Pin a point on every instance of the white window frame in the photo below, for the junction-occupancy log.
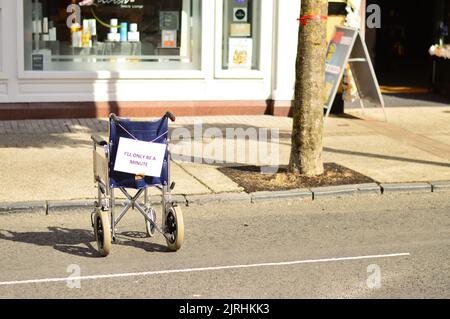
(125, 74)
(266, 41)
(3, 52)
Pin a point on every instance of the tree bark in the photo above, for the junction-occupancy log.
(307, 133)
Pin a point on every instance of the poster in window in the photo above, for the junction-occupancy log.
(169, 20)
(241, 53)
(37, 62)
(169, 39)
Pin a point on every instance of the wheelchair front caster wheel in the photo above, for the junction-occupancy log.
(149, 227)
(174, 228)
(102, 231)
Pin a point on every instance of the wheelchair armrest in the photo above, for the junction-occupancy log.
(99, 140)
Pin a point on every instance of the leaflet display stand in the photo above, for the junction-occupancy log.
(348, 47)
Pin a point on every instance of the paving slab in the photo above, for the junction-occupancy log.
(208, 175)
(385, 159)
(186, 183)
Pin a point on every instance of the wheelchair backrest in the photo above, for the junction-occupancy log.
(148, 131)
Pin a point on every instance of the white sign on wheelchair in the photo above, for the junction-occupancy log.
(139, 157)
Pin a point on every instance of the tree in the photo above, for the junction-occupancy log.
(307, 133)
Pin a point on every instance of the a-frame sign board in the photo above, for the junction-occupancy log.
(348, 47)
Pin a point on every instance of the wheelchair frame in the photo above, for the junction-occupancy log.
(172, 227)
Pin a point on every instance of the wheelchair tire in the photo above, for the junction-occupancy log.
(151, 229)
(102, 229)
(174, 227)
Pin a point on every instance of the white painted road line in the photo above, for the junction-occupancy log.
(176, 271)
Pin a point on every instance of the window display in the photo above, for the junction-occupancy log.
(112, 35)
(442, 48)
(241, 34)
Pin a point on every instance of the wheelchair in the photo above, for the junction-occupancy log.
(107, 180)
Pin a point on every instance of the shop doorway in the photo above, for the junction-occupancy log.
(400, 47)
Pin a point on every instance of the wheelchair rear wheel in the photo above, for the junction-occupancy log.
(174, 227)
(102, 229)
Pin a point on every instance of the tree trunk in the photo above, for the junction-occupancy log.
(306, 151)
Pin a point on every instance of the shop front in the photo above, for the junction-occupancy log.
(139, 57)
(440, 51)
(401, 51)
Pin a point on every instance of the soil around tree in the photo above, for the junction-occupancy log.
(253, 180)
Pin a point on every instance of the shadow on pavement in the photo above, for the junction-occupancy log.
(385, 157)
(69, 240)
(228, 131)
(51, 133)
(409, 100)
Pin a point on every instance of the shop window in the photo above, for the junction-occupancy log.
(1, 39)
(112, 35)
(241, 34)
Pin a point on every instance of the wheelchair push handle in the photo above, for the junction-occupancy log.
(114, 117)
(168, 115)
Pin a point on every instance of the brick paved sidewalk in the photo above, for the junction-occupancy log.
(53, 126)
(52, 159)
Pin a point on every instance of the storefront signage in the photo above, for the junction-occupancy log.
(347, 47)
(125, 4)
(169, 20)
(37, 62)
(240, 14)
(140, 158)
(240, 30)
(115, 2)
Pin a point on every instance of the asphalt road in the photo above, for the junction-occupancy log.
(356, 247)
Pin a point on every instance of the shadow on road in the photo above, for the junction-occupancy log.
(79, 242)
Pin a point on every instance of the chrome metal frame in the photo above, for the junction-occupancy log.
(107, 200)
